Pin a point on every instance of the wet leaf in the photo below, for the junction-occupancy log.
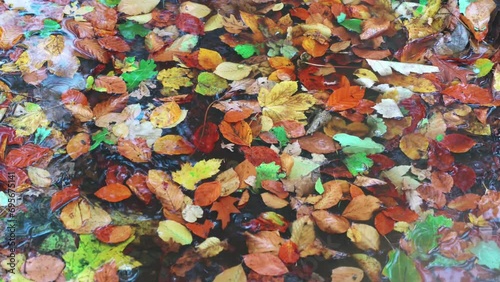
(370, 266)
(135, 150)
(425, 234)
(114, 192)
(288, 252)
(400, 267)
(469, 93)
(233, 274)
(225, 207)
(465, 202)
(144, 71)
(113, 234)
(358, 163)
(414, 145)
(207, 193)
(189, 175)
(364, 236)
(238, 133)
(265, 264)
(173, 145)
(458, 143)
(345, 98)
(384, 224)
(232, 71)
(353, 144)
(167, 115)
(264, 242)
(330, 223)
(42, 268)
(131, 7)
(464, 177)
(361, 207)
(78, 145)
(62, 197)
(347, 273)
(205, 137)
(129, 30)
(210, 84)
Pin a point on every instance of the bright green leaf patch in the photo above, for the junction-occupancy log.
(353, 144)
(442, 261)
(488, 254)
(210, 84)
(349, 24)
(425, 233)
(280, 133)
(400, 267)
(41, 133)
(100, 137)
(268, 171)
(130, 30)
(145, 71)
(318, 186)
(483, 66)
(62, 241)
(91, 254)
(358, 163)
(245, 50)
(110, 3)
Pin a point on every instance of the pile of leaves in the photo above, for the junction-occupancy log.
(250, 140)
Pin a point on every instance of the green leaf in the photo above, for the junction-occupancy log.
(302, 167)
(245, 50)
(101, 136)
(91, 254)
(441, 261)
(483, 67)
(400, 267)
(288, 51)
(319, 187)
(210, 84)
(358, 163)
(280, 134)
(110, 3)
(425, 234)
(49, 26)
(352, 25)
(268, 171)
(40, 134)
(130, 29)
(62, 241)
(420, 10)
(341, 17)
(353, 144)
(145, 71)
(488, 254)
(440, 137)
(463, 4)
(377, 125)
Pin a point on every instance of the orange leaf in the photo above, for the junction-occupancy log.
(209, 59)
(331, 196)
(273, 201)
(330, 223)
(244, 170)
(345, 98)
(74, 97)
(235, 116)
(318, 143)
(137, 184)
(465, 202)
(289, 252)
(265, 264)
(207, 193)
(238, 133)
(442, 181)
(113, 104)
(355, 191)
(173, 145)
(166, 191)
(112, 234)
(264, 242)
(224, 208)
(78, 145)
(384, 224)
(110, 84)
(136, 150)
(398, 213)
(361, 207)
(313, 47)
(114, 193)
(252, 21)
(469, 93)
(458, 143)
(201, 230)
(275, 187)
(107, 273)
(90, 48)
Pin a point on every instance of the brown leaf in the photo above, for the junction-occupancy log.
(137, 184)
(75, 214)
(136, 150)
(245, 169)
(113, 104)
(78, 145)
(347, 273)
(265, 264)
(225, 207)
(114, 43)
(318, 143)
(264, 242)
(373, 27)
(441, 181)
(331, 196)
(112, 234)
(166, 191)
(469, 93)
(414, 145)
(458, 143)
(238, 133)
(107, 273)
(275, 187)
(90, 48)
(383, 223)
(229, 180)
(361, 207)
(173, 145)
(42, 268)
(110, 84)
(330, 223)
(364, 236)
(207, 193)
(273, 201)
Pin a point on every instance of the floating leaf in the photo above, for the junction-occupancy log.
(358, 163)
(210, 84)
(361, 207)
(130, 30)
(189, 175)
(143, 72)
(330, 223)
(172, 230)
(112, 234)
(400, 267)
(353, 144)
(265, 264)
(115, 192)
(238, 133)
(347, 273)
(224, 208)
(487, 253)
(207, 193)
(132, 7)
(233, 274)
(232, 71)
(458, 143)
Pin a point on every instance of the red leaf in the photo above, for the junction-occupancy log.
(380, 163)
(116, 174)
(26, 155)
(440, 157)
(260, 154)
(112, 234)
(416, 110)
(113, 193)
(450, 71)
(398, 213)
(265, 264)
(205, 137)
(74, 97)
(294, 129)
(345, 98)
(190, 24)
(110, 84)
(224, 208)
(458, 143)
(464, 177)
(114, 43)
(469, 93)
(10, 134)
(90, 48)
(311, 81)
(384, 224)
(207, 193)
(465, 202)
(137, 184)
(64, 196)
(289, 252)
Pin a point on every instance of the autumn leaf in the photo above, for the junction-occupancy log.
(469, 93)
(345, 98)
(173, 145)
(265, 264)
(169, 229)
(135, 150)
(207, 193)
(189, 175)
(233, 274)
(238, 133)
(143, 72)
(364, 236)
(330, 223)
(115, 192)
(113, 234)
(224, 208)
(281, 104)
(347, 273)
(361, 207)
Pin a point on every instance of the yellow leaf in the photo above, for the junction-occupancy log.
(167, 115)
(134, 7)
(189, 175)
(211, 247)
(169, 229)
(194, 9)
(233, 274)
(174, 78)
(280, 103)
(26, 124)
(214, 22)
(209, 59)
(364, 236)
(303, 232)
(232, 71)
(39, 176)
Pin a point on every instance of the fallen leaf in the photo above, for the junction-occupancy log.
(384, 224)
(469, 93)
(265, 264)
(233, 274)
(131, 7)
(371, 266)
(112, 234)
(414, 146)
(238, 133)
(385, 67)
(173, 145)
(347, 273)
(43, 268)
(361, 207)
(78, 145)
(169, 229)
(458, 143)
(135, 150)
(207, 193)
(465, 202)
(273, 201)
(225, 207)
(365, 237)
(232, 71)
(264, 242)
(289, 252)
(211, 247)
(115, 192)
(189, 175)
(330, 223)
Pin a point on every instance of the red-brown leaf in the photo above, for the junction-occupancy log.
(469, 93)
(464, 177)
(136, 150)
(465, 202)
(114, 43)
(318, 143)
(261, 154)
(205, 137)
(224, 208)
(458, 143)
(398, 213)
(74, 97)
(111, 84)
(90, 48)
(113, 193)
(62, 197)
(265, 264)
(137, 184)
(190, 24)
(238, 133)
(345, 98)
(207, 193)
(289, 252)
(112, 234)
(201, 230)
(26, 155)
(113, 104)
(384, 224)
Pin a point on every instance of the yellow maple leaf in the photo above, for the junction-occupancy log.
(189, 175)
(280, 103)
(174, 78)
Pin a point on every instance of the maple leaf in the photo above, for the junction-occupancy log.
(280, 103)
(189, 175)
(224, 208)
